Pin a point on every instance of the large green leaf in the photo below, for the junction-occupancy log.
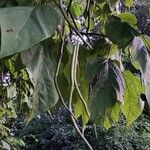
(120, 33)
(133, 105)
(22, 27)
(107, 89)
(40, 64)
(143, 58)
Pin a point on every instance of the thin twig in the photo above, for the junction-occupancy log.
(88, 18)
(88, 5)
(88, 14)
(73, 19)
(69, 5)
(72, 71)
(70, 23)
(95, 130)
(92, 34)
(97, 6)
(70, 14)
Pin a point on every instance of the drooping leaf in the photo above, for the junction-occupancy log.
(120, 33)
(41, 68)
(128, 3)
(133, 105)
(143, 58)
(107, 88)
(22, 27)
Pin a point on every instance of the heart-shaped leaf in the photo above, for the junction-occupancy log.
(107, 88)
(22, 27)
(41, 67)
(120, 33)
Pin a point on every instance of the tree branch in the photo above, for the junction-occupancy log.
(70, 23)
(92, 34)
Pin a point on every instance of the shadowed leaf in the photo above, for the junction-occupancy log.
(106, 91)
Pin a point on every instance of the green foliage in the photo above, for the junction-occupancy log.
(55, 58)
(107, 90)
(132, 106)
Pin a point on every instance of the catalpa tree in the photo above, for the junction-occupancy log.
(73, 53)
